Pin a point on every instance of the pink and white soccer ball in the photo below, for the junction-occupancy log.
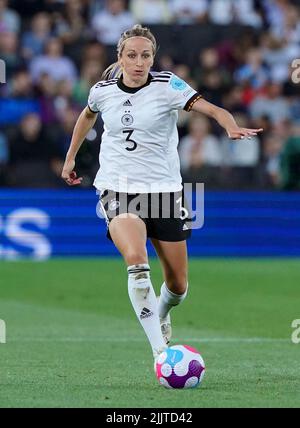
(180, 366)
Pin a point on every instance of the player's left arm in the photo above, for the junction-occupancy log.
(225, 119)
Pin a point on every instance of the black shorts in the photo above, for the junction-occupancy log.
(166, 215)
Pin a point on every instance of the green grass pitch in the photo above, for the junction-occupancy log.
(73, 339)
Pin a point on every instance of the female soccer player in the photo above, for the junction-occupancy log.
(139, 172)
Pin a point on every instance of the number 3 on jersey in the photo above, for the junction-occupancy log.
(128, 138)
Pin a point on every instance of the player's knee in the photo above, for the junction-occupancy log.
(135, 257)
(177, 283)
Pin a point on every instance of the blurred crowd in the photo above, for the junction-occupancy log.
(55, 50)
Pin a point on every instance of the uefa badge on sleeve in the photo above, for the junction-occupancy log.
(178, 84)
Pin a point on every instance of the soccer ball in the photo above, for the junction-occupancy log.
(180, 366)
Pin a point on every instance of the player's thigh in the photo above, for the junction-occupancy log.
(129, 235)
(174, 259)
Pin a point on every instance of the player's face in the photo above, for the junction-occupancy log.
(136, 60)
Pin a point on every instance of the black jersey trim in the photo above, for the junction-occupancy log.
(159, 80)
(163, 73)
(191, 102)
(125, 88)
(92, 110)
(108, 83)
(100, 82)
(163, 76)
(166, 77)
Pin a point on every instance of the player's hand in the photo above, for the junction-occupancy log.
(241, 133)
(69, 175)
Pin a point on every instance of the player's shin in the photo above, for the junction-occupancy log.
(144, 302)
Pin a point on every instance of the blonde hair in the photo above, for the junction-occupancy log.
(114, 71)
(136, 31)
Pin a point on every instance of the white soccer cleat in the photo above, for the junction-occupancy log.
(156, 355)
(166, 328)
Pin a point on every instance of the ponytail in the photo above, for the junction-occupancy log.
(114, 71)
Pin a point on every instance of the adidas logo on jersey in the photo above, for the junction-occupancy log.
(146, 313)
(127, 103)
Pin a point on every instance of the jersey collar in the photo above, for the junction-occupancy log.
(125, 88)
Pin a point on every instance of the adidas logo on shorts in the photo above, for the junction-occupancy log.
(146, 313)
(185, 227)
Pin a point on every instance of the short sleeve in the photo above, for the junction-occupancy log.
(92, 101)
(181, 96)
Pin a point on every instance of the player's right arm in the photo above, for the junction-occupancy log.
(84, 123)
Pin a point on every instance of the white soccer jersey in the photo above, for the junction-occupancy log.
(138, 151)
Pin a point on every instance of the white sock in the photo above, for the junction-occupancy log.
(168, 300)
(144, 302)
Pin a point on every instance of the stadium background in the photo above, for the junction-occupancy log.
(239, 55)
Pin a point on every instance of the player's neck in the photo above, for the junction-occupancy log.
(134, 83)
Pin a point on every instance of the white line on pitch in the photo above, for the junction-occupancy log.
(136, 339)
